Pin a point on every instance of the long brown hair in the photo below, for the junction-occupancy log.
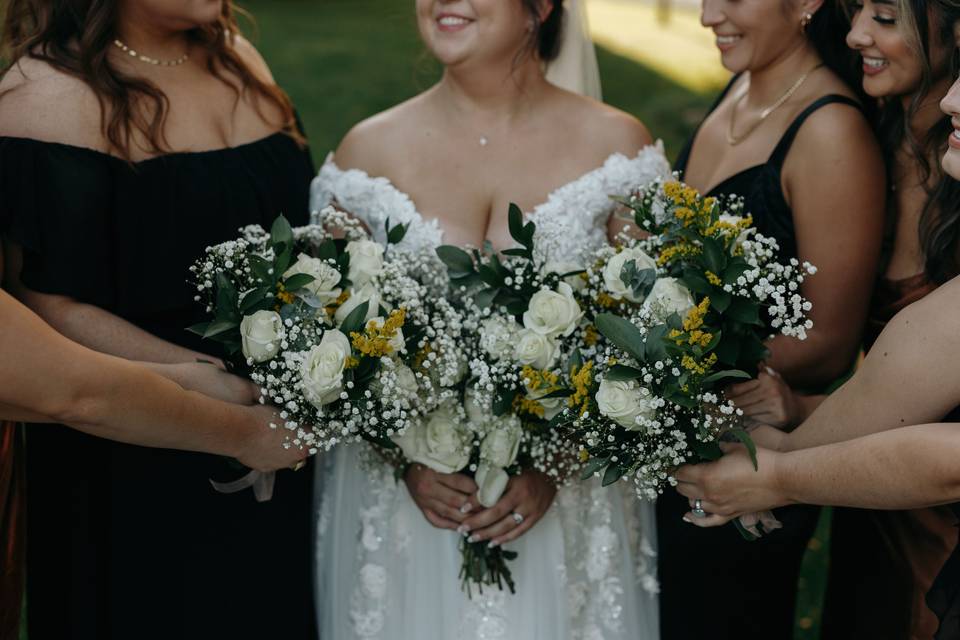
(75, 36)
(920, 20)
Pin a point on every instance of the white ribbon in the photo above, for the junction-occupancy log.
(262, 484)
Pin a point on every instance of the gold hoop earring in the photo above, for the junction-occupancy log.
(805, 21)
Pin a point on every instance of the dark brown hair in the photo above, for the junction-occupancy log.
(545, 40)
(75, 36)
(921, 20)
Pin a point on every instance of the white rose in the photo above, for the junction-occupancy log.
(561, 267)
(322, 368)
(366, 261)
(614, 268)
(325, 278)
(624, 402)
(553, 313)
(260, 334)
(396, 341)
(537, 350)
(366, 293)
(497, 335)
(501, 445)
(491, 483)
(440, 443)
(669, 296)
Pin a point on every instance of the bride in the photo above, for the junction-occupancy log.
(494, 130)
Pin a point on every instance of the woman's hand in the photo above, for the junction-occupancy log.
(210, 380)
(265, 451)
(768, 400)
(731, 487)
(444, 498)
(526, 499)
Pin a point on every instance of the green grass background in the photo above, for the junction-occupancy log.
(344, 60)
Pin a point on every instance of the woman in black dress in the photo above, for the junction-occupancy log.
(789, 136)
(133, 134)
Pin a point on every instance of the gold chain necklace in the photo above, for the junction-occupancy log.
(154, 61)
(732, 139)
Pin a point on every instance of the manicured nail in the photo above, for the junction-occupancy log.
(687, 520)
(467, 508)
(493, 545)
(463, 529)
(472, 539)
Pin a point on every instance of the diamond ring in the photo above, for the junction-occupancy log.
(517, 517)
(698, 508)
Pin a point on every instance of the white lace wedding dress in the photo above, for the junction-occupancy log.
(586, 571)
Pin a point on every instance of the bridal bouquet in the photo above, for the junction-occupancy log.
(341, 333)
(524, 320)
(686, 310)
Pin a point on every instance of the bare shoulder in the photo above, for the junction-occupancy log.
(607, 128)
(372, 144)
(40, 102)
(252, 58)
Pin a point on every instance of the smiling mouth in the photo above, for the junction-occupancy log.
(452, 22)
(875, 63)
(727, 40)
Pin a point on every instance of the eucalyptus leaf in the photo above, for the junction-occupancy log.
(281, 232)
(485, 297)
(592, 466)
(356, 319)
(458, 261)
(622, 333)
(298, 281)
(611, 475)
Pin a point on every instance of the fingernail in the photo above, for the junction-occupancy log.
(472, 539)
(493, 545)
(463, 529)
(687, 520)
(466, 508)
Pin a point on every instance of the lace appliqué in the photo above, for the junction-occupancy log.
(372, 200)
(572, 223)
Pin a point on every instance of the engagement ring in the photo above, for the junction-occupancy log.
(698, 508)
(517, 517)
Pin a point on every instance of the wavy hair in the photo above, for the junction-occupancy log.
(920, 21)
(75, 37)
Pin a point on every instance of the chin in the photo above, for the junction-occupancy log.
(733, 62)
(951, 163)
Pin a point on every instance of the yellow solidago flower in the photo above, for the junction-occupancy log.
(590, 335)
(674, 191)
(699, 367)
(699, 337)
(694, 319)
(584, 455)
(422, 355)
(351, 362)
(713, 278)
(679, 250)
(375, 340)
(523, 404)
(540, 380)
(332, 308)
(581, 378)
(606, 300)
(283, 295)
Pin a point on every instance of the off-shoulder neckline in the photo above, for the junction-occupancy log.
(617, 156)
(145, 161)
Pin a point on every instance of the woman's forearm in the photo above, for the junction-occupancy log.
(903, 468)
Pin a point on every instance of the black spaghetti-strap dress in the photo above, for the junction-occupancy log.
(713, 583)
(126, 542)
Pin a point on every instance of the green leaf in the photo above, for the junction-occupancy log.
(459, 263)
(559, 393)
(714, 255)
(622, 373)
(281, 232)
(656, 344)
(515, 222)
(503, 402)
(611, 475)
(227, 298)
(252, 298)
(356, 319)
(199, 329)
(697, 283)
(261, 268)
(217, 328)
(706, 451)
(396, 234)
(744, 437)
(575, 360)
(720, 300)
(485, 297)
(727, 373)
(298, 281)
(728, 349)
(622, 333)
(745, 311)
(592, 466)
(736, 268)
(327, 250)
(489, 276)
(516, 252)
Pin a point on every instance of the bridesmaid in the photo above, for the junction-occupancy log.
(882, 562)
(772, 138)
(133, 134)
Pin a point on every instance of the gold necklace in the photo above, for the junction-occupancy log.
(732, 139)
(154, 61)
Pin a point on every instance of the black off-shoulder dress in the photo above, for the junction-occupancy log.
(713, 583)
(127, 542)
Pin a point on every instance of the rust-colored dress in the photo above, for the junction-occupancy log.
(12, 518)
(882, 563)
